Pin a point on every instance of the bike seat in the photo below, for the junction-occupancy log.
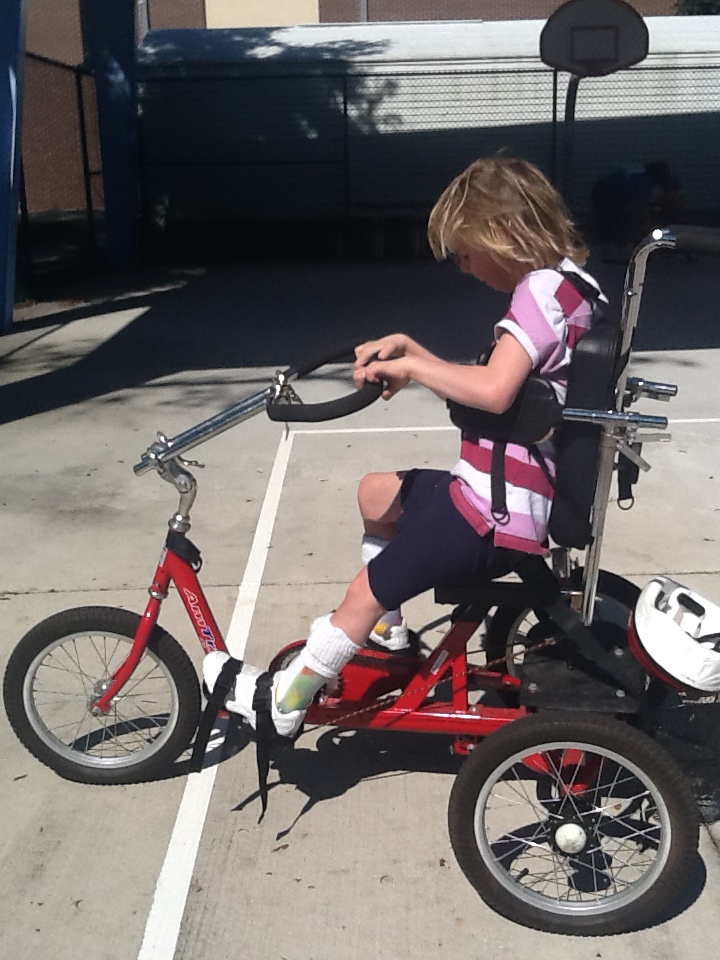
(486, 587)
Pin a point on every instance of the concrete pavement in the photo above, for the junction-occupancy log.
(353, 856)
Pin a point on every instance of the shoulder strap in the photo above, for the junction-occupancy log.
(588, 292)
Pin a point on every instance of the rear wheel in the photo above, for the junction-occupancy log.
(62, 666)
(506, 635)
(573, 823)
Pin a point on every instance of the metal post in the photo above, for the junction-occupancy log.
(569, 139)
(553, 143)
(12, 58)
(110, 45)
(87, 173)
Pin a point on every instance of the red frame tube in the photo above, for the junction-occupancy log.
(375, 674)
(171, 568)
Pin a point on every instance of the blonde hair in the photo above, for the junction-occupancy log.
(507, 208)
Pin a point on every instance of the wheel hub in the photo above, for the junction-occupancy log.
(571, 837)
(99, 689)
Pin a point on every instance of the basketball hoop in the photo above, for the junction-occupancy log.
(594, 38)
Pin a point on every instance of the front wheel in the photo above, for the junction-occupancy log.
(573, 823)
(60, 668)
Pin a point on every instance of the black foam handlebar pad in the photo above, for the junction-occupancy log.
(337, 353)
(329, 410)
(690, 239)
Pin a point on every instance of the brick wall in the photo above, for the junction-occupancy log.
(176, 14)
(349, 11)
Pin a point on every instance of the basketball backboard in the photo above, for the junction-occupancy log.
(593, 38)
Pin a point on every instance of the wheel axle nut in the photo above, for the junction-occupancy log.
(570, 838)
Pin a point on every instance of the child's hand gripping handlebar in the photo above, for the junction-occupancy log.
(284, 405)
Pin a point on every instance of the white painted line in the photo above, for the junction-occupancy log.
(696, 420)
(165, 918)
(239, 628)
(377, 430)
(341, 430)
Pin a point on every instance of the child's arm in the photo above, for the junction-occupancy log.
(492, 387)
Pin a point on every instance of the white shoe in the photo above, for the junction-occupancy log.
(392, 638)
(241, 694)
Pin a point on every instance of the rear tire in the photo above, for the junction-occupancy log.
(606, 856)
(57, 671)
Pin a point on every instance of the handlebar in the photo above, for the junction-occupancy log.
(689, 239)
(276, 400)
(336, 353)
(329, 410)
(281, 408)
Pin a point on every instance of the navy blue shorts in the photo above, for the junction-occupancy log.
(435, 545)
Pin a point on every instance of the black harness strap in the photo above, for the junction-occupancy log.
(540, 460)
(498, 498)
(215, 703)
(265, 733)
(498, 490)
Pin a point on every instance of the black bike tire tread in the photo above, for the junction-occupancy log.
(655, 762)
(116, 620)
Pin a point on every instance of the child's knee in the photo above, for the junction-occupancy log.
(377, 493)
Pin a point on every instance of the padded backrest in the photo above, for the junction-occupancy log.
(592, 376)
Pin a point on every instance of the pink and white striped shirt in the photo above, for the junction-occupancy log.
(547, 316)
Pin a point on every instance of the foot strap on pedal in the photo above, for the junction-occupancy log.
(265, 732)
(216, 702)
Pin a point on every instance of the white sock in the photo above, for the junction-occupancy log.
(371, 547)
(328, 648)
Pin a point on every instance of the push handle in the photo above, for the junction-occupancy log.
(330, 409)
(336, 353)
(689, 239)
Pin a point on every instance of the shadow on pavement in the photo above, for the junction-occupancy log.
(256, 314)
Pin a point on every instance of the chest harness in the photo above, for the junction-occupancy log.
(534, 416)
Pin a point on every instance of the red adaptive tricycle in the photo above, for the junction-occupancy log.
(566, 815)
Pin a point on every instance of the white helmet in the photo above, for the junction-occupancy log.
(675, 634)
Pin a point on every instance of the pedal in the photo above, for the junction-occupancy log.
(412, 650)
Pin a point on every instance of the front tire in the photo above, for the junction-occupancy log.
(573, 823)
(57, 671)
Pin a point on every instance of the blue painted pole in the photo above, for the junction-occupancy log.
(110, 50)
(12, 58)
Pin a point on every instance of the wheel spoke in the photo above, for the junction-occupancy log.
(63, 685)
(570, 827)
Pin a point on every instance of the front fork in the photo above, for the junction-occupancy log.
(171, 568)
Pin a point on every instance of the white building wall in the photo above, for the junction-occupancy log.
(260, 13)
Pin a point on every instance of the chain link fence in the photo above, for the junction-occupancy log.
(379, 146)
(340, 146)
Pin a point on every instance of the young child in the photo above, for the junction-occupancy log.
(506, 225)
